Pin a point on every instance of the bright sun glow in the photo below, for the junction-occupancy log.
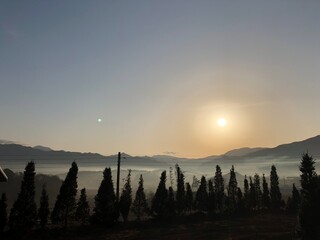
(221, 122)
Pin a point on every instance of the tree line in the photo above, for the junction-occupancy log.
(213, 197)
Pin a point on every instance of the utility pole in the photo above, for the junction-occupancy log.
(118, 176)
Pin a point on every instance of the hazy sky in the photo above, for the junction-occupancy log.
(159, 74)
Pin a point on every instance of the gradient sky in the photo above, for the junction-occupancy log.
(159, 74)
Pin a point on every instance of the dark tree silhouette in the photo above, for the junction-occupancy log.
(83, 210)
(105, 211)
(308, 173)
(202, 196)
(181, 193)
(126, 198)
(44, 211)
(65, 205)
(265, 193)
(232, 191)
(171, 208)
(211, 198)
(253, 197)
(309, 213)
(159, 201)
(293, 202)
(24, 211)
(189, 198)
(258, 193)
(275, 194)
(240, 201)
(246, 197)
(3, 212)
(195, 183)
(219, 189)
(140, 205)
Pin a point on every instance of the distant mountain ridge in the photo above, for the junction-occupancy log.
(16, 152)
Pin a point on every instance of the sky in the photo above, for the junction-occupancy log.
(159, 74)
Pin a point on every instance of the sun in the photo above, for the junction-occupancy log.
(221, 122)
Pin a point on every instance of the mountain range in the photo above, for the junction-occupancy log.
(17, 152)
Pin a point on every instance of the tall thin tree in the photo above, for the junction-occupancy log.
(24, 211)
(140, 206)
(181, 193)
(44, 211)
(232, 190)
(265, 193)
(275, 194)
(160, 199)
(202, 196)
(126, 198)
(105, 211)
(83, 210)
(65, 205)
(219, 189)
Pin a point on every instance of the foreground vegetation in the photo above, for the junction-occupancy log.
(213, 210)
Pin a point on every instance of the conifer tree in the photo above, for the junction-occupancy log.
(83, 210)
(246, 197)
(219, 189)
(171, 209)
(253, 198)
(232, 190)
(293, 202)
(160, 199)
(44, 211)
(265, 193)
(24, 211)
(240, 201)
(309, 212)
(275, 194)
(211, 198)
(308, 174)
(105, 211)
(181, 193)
(195, 183)
(3, 212)
(126, 198)
(189, 198)
(140, 205)
(65, 205)
(258, 193)
(202, 196)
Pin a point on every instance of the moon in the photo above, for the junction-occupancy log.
(99, 120)
(221, 122)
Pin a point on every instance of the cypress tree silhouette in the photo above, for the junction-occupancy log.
(258, 193)
(246, 197)
(309, 221)
(275, 194)
(308, 175)
(202, 196)
(253, 198)
(219, 189)
(265, 193)
(189, 198)
(211, 198)
(171, 209)
(105, 211)
(293, 202)
(240, 201)
(83, 210)
(24, 211)
(181, 193)
(232, 191)
(140, 205)
(159, 201)
(126, 198)
(65, 205)
(3, 212)
(43, 211)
